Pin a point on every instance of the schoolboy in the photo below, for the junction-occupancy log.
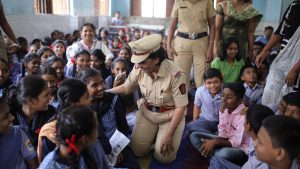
(278, 142)
(254, 90)
(207, 103)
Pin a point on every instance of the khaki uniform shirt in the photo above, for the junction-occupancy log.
(193, 17)
(168, 88)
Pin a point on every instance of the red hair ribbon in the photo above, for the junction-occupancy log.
(73, 59)
(37, 131)
(71, 144)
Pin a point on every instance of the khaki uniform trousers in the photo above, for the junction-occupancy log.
(151, 127)
(191, 52)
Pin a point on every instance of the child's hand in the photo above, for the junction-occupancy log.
(120, 158)
(207, 147)
(120, 79)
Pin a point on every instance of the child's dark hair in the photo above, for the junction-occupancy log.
(3, 102)
(246, 66)
(269, 27)
(35, 41)
(58, 41)
(292, 99)
(211, 73)
(128, 49)
(53, 32)
(8, 82)
(47, 70)
(69, 92)
(30, 56)
(73, 123)
(119, 60)
(86, 74)
(50, 61)
(256, 114)
(30, 86)
(22, 40)
(237, 88)
(99, 54)
(259, 43)
(41, 51)
(88, 24)
(284, 133)
(226, 45)
(75, 32)
(81, 52)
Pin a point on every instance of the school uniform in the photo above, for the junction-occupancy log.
(34, 126)
(105, 72)
(253, 95)
(7, 89)
(209, 116)
(111, 115)
(54, 161)
(15, 149)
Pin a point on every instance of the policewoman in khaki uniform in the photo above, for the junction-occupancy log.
(192, 44)
(160, 118)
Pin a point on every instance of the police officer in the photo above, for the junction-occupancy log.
(160, 117)
(192, 45)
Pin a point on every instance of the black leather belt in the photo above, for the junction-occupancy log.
(192, 36)
(159, 109)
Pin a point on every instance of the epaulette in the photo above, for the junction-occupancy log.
(244, 111)
(178, 74)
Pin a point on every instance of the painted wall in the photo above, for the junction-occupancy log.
(120, 5)
(18, 7)
(271, 9)
(284, 6)
(82, 8)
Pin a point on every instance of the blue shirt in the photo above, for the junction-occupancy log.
(15, 72)
(263, 39)
(15, 149)
(53, 161)
(109, 121)
(254, 95)
(69, 71)
(209, 105)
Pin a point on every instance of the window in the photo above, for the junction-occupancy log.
(61, 7)
(154, 8)
(58, 7)
(43, 6)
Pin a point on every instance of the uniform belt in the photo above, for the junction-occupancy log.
(158, 109)
(192, 36)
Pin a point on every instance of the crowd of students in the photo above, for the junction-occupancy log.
(55, 112)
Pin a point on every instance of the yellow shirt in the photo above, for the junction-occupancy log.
(192, 17)
(168, 88)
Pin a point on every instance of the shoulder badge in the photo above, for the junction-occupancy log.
(182, 89)
(29, 146)
(178, 74)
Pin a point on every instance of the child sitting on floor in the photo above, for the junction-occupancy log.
(232, 142)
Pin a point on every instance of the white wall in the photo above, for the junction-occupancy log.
(39, 26)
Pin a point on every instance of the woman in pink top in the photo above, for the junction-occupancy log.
(232, 142)
(88, 42)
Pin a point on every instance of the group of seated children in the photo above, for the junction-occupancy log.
(232, 130)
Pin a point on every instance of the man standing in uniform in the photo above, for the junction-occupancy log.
(160, 117)
(191, 45)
